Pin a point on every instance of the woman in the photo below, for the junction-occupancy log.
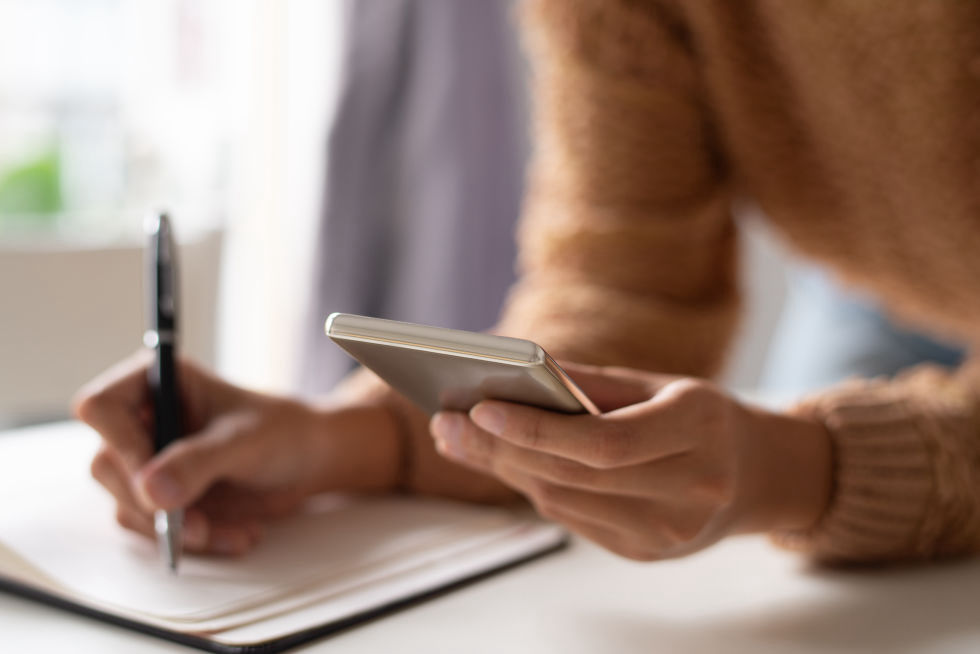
(854, 127)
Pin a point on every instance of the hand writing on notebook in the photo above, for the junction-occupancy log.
(247, 457)
(671, 466)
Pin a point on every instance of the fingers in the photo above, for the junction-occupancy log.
(665, 478)
(632, 528)
(123, 383)
(114, 403)
(701, 484)
(200, 533)
(611, 388)
(179, 475)
(649, 480)
(605, 441)
(135, 521)
(232, 540)
(109, 471)
(117, 404)
(234, 503)
(205, 535)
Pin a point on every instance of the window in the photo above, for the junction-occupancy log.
(214, 109)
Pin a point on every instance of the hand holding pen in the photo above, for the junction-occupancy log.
(245, 458)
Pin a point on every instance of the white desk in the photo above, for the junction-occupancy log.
(740, 596)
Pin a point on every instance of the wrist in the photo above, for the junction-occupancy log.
(357, 448)
(791, 479)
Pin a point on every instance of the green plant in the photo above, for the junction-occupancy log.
(32, 188)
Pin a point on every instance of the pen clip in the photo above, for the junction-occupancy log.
(161, 278)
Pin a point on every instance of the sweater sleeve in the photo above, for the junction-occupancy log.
(907, 468)
(627, 242)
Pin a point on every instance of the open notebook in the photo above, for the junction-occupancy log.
(342, 560)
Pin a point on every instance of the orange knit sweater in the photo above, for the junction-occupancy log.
(856, 127)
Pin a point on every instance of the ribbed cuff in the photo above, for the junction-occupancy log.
(883, 478)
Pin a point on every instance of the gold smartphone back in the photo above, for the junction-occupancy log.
(439, 368)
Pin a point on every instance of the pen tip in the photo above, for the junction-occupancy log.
(168, 528)
(156, 221)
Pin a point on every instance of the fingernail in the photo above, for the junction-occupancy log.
(489, 418)
(163, 489)
(447, 427)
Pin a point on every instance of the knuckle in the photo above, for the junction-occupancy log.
(534, 431)
(125, 519)
(101, 466)
(695, 396)
(707, 411)
(86, 405)
(688, 389)
(570, 471)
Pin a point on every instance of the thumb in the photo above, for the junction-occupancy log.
(180, 474)
(611, 387)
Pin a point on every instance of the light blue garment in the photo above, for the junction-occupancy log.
(828, 333)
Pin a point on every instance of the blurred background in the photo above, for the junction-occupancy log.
(224, 112)
(215, 110)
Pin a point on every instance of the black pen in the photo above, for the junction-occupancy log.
(161, 337)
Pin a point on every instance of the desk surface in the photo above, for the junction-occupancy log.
(740, 596)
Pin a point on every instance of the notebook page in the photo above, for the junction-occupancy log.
(62, 525)
(423, 570)
(532, 537)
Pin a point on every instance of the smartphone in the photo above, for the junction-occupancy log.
(439, 368)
